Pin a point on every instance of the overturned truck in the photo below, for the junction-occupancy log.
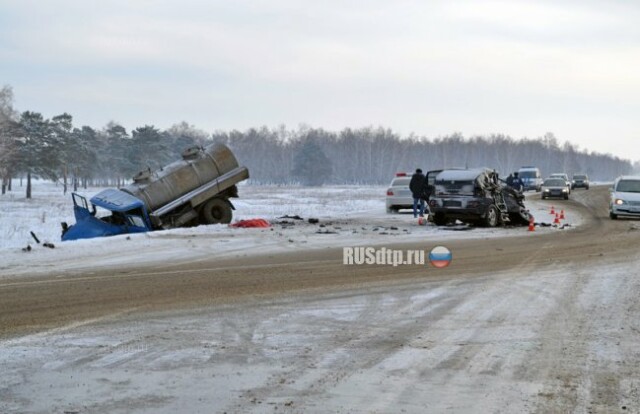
(476, 197)
(194, 190)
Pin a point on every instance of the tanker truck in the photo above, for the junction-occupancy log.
(194, 190)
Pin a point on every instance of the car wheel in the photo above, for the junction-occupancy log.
(519, 218)
(586, 188)
(439, 219)
(612, 215)
(566, 197)
(491, 219)
(543, 197)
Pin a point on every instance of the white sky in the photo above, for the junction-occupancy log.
(521, 68)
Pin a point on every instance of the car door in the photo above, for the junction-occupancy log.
(429, 184)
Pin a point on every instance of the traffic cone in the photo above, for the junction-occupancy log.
(557, 220)
(561, 214)
(532, 225)
(553, 211)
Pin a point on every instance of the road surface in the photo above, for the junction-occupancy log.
(537, 323)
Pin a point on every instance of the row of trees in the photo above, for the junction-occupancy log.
(32, 145)
(374, 155)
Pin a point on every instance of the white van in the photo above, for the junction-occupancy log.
(531, 178)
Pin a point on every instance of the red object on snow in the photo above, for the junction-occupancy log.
(259, 223)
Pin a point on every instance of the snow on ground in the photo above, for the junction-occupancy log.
(349, 216)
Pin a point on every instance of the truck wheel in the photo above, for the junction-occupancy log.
(491, 220)
(216, 211)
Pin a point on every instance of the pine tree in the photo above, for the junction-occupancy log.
(38, 148)
(311, 166)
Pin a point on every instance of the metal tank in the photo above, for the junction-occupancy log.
(198, 167)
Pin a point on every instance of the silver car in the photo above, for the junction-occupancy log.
(555, 187)
(563, 176)
(398, 194)
(625, 197)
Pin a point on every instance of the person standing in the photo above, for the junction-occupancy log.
(510, 180)
(415, 185)
(517, 183)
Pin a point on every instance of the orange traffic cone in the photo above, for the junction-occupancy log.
(532, 225)
(553, 211)
(557, 220)
(561, 214)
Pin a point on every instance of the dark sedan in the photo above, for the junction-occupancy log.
(555, 187)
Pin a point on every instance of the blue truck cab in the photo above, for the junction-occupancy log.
(128, 215)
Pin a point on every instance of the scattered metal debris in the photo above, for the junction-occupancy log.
(296, 217)
(35, 237)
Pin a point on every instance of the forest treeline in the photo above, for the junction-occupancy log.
(56, 149)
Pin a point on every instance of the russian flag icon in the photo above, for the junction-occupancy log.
(440, 256)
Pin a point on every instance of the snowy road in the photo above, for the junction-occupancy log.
(538, 323)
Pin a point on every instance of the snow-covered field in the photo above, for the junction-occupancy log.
(349, 216)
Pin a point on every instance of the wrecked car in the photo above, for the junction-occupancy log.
(473, 196)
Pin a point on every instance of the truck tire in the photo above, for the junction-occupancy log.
(492, 218)
(216, 211)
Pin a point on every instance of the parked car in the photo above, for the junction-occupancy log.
(625, 197)
(531, 178)
(564, 177)
(580, 181)
(555, 187)
(474, 197)
(398, 194)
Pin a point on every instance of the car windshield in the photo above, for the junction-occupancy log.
(401, 182)
(454, 187)
(558, 176)
(555, 183)
(527, 174)
(579, 177)
(628, 186)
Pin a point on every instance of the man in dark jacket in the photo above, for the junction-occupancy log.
(516, 182)
(415, 185)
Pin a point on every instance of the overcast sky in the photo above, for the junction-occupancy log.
(521, 68)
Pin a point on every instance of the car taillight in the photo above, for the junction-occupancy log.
(389, 192)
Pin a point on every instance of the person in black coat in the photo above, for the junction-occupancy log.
(516, 182)
(415, 185)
